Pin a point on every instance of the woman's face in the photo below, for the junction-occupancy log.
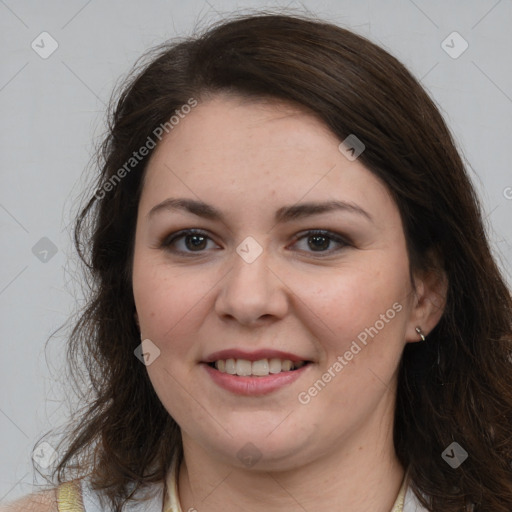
(252, 290)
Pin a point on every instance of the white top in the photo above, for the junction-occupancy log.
(155, 503)
(411, 503)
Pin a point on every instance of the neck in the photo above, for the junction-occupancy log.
(361, 474)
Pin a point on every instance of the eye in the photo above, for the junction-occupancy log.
(196, 241)
(319, 240)
(187, 241)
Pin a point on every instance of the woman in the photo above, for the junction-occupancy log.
(296, 304)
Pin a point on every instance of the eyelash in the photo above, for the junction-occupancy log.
(171, 239)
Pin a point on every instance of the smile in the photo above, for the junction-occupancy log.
(252, 384)
(260, 368)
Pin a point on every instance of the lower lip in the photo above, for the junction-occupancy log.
(253, 386)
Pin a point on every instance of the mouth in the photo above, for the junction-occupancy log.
(259, 368)
(255, 373)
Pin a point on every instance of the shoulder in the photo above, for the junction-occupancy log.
(149, 500)
(44, 501)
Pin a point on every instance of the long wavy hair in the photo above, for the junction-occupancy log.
(455, 387)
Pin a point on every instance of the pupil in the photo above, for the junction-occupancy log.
(319, 238)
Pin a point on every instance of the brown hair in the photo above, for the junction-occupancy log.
(457, 386)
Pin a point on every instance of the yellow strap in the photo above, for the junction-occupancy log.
(400, 499)
(69, 497)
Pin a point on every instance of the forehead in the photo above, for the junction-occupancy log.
(231, 149)
(227, 125)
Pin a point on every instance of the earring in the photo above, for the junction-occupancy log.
(420, 332)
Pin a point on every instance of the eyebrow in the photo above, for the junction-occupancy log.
(283, 214)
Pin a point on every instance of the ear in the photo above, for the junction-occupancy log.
(429, 302)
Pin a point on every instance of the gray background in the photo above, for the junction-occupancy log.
(52, 113)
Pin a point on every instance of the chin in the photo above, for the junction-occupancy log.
(261, 449)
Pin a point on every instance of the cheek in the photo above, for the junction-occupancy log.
(167, 299)
(344, 302)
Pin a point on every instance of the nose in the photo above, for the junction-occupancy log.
(252, 293)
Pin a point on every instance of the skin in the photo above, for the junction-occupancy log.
(249, 158)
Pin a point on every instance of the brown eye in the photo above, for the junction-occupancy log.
(191, 241)
(321, 241)
(187, 241)
(194, 242)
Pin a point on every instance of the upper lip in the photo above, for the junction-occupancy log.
(252, 356)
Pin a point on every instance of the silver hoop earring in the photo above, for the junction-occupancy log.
(420, 332)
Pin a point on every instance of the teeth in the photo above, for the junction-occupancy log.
(230, 366)
(286, 365)
(275, 365)
(243, 367)
(261, 368)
